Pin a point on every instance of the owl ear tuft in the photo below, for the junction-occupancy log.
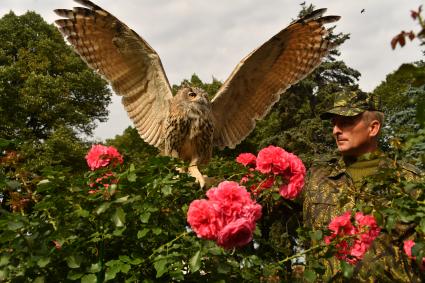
(186, 84)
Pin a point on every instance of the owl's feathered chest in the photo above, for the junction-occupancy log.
(189, 131)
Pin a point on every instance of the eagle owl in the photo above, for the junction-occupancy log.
(188, 125)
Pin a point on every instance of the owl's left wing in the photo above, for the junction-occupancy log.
(126, 60)
(261, 77)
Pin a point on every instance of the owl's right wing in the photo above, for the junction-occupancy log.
(263, 76)
(127, 61)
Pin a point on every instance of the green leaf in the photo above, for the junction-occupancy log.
(422, 225)
(14, 185)
(132, 167)
(73, 262)
(14, 225)
(42, 262)
(160, 267)
(125, 268)
(417, 249)
(124, 258)
(111, 273)
(347, 269)
(72, 275)
(144, 217)
(4, 260)
(39, 279)
(103, 207)
(82, 212)
(95, 268)
(310, 275)
(132, 177)
(317, 235)
(157, 230)
(166, 191)
(89, 278)
(119, 217)
(142, 233)
(195, 262)
(390, 223)
(223, 268)
(122, 199)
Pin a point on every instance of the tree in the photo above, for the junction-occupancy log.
(44, 85)
(403, 100)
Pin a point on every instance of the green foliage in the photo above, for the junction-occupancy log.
(44, 85)
(131, 146)
(402, 95)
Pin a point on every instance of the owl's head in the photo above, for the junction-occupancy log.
(192, 94)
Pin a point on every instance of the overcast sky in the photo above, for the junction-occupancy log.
(210, 37)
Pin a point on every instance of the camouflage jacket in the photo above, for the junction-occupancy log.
(329, 192)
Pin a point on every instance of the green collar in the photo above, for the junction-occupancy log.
(342, 164)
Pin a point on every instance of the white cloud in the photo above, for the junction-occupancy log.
(209, 38)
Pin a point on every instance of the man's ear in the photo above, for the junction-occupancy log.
(374, 128)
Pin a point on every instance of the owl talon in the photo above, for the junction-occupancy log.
(194, 172)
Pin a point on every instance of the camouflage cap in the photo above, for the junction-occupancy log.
(352, 103)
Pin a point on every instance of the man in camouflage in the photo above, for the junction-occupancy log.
(337, 185)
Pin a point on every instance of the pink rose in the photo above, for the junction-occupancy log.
(272, 159)
(235, 234)
(275, 160)
(229, 192)
(101, 156)
(204, 219)
(246, 159)
(228, 216)
(293, 188)
(363, 234)
(342, 225)
(407, 246)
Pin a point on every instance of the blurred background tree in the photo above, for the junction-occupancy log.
(46, 90)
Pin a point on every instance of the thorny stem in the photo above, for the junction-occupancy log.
(168, 243)
(301, 253)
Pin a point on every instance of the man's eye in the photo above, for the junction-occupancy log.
(192, 94)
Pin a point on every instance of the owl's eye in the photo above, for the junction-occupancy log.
(192, 94)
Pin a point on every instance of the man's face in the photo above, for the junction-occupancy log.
(352, 135)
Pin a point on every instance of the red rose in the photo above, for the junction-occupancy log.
(101, 156)
(246, 159)
(407, 246)
(204, 219)
(237, 233)
(228, 216)
(275, 160)
(272, 159)
(363, 234)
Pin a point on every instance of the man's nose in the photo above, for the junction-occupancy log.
(336, 130)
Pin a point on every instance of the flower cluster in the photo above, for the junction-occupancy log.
(104, 181)
(101, 156)
(98, 157)
(228, 216)
(352, 241)
(407, 246)
(282, 168)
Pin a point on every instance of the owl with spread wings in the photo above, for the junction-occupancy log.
(188, 125)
